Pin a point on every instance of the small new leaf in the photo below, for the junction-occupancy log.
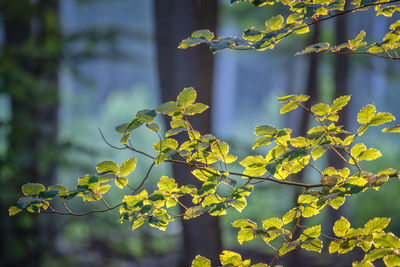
(366, 114)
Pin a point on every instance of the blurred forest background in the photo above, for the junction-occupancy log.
(69, 67)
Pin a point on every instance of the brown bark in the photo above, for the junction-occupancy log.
(176, 20)
(30, 81)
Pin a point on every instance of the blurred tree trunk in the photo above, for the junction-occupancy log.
(312, 91)
(29, 71)
(341, 77)
(176, 20)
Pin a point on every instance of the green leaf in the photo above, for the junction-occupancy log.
(392, 260)
(205, 34)
(312, 232)
(312, 245)
(246, 234)
(291, 215)
(357, 150)
(166, 145)
(153, 127)
(167, 184)
(103, 189)
(362, 129)
(167, 107)
(287, 247)
(315, 48)
(376, 224)
(339, 103)
(265, 130)
(146, 115)
(193, 212)
(320, 109)
(393, 129)
(200, 261)
(196, 109)
(275, 22)
(366, 114)
(107, 167)
(287, 98)
(291, 105)
(244, 223)
(341, 226)
(186, 97)
(125, 138)
(369, 154)
(121, 182)
(381, 118)
(230, 258)
(272, 223)
(127, 167)
(13, 210)
(32, 189)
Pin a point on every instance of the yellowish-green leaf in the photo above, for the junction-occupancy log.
(369, 154)
(187, 97)
(341, 227)
(200, 261)
(127, 167)
(339, 103)
(320, 109)
(376, 224)
(121, 182)
(167, 184)
(107, 167)
(230, 258)
(393, 129)
(381, 118)
(32, 189)
(13, 210)
(357, 150)
(291, 105)
(272, 223)
(366, 114)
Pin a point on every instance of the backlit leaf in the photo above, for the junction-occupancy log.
(366, 114)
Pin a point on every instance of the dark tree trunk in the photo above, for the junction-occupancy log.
(176, 20)
(312, 91)
(30, 80)
(341, 77)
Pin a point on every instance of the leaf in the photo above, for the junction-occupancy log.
(121, 182)
(186, 97)
(369, 154)
(196, 109)
(244, 223)
(291, 105)
(272, 223)
(312, 232)
(127, 167)
(381, 118)
(32, 189)
(166, 145)
(339, 103)
(246, 234)
(205, 34)
(146, 115)
(107, 167)
(392, 260)
(312, 245)
(230, 258)
(287, 98)
(393, 129)
(166, 108)
(357, 150)
(13, 210)
(366, 114)
(320, 109)
(376, 224)
(341, 226)
(153, 127)
(167, 184)
(265, 130)
(103, 189)
(287, 247)
(275, 22)
(200, 261)
(315, 48)
(291, 215)
(193, 212)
